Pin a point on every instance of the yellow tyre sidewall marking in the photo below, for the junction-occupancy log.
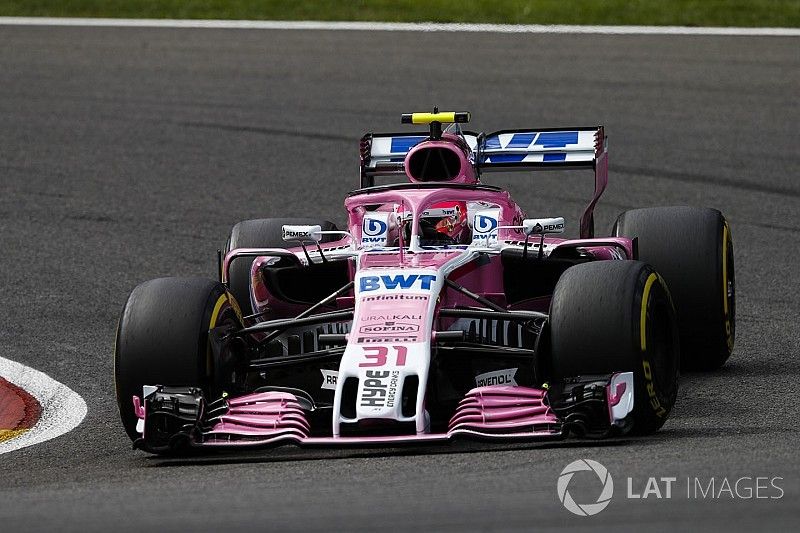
(643, 317)
(212, 324)
(655, 403)
(236, 308)
(215, 313)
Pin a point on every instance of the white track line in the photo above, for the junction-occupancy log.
(396, 26)
(62, 408)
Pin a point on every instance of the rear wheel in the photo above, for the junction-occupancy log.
(162, 339)
(693, 249)
(616, 316)
(259, 233)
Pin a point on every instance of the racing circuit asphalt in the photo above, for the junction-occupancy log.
(127, 154)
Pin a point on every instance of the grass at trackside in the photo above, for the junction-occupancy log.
(773, 13)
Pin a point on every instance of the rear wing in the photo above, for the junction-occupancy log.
(539, 149)
(383, 154)
(549, 149)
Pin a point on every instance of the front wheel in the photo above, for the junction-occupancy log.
(162, 339)
(617, 316)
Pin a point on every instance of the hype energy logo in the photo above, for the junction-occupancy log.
(605, 487)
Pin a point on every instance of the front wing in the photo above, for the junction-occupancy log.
(173, 419)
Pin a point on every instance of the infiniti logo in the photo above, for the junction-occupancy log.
(585, 509)
(373, 227)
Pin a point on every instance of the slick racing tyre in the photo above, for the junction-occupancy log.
(617, 316)
(162, 338)
(260, 233)
(692, 249)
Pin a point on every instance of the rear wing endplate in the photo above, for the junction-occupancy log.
(383, 154)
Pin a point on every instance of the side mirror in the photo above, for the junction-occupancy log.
(541, 226)
(302, 233)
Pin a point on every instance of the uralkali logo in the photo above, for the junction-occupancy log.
(606, 492)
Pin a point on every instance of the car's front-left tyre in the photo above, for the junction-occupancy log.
(617, 316)
(163, 339)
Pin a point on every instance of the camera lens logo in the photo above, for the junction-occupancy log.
(585, 509)
(373, 227)
(484, 224)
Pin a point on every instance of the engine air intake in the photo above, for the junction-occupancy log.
(437, 163)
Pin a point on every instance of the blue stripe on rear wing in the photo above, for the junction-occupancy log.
(527, 149)
(383, 153)
(562, 148)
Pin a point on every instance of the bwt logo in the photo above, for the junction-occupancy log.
(484, 224)
(374, 227)
(373, 283)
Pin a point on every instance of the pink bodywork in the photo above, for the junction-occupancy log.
(503, 407)
(486, 279)
(496, 412)
(265, 413)
(452, 143)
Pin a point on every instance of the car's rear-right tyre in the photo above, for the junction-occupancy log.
(692, 249)
(259, 233)
(617, 316)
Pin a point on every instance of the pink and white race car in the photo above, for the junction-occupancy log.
(442, 310)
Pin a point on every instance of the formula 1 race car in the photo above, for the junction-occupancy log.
(442, 310)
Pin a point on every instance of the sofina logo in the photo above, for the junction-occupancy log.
(585, 509)
(374, 227)
(485, 224)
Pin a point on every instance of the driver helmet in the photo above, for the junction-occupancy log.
(445, 223)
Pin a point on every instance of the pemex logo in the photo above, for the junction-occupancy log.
(585, 509)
